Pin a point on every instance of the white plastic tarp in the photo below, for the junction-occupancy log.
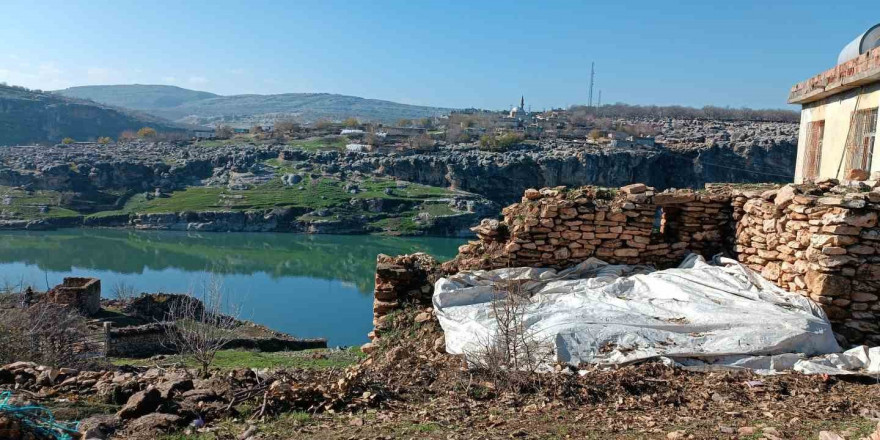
(698, 314)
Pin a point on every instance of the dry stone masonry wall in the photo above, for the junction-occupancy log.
(401, 280)
(556, 227)
(820, 240)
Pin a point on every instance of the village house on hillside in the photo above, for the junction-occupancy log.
(839, 116)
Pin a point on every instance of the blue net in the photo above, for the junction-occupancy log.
(37, 419)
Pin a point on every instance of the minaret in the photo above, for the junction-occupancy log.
(522, 103)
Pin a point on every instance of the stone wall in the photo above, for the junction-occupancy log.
(84, 294)
(821, 241)
(151, 339)
(138, 341)
(557, 227)
(402, 280)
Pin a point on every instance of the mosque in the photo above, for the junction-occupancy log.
(519, 112)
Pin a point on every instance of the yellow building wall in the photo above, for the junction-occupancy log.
(836, 111)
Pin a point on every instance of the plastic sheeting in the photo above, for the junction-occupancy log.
(696, 315)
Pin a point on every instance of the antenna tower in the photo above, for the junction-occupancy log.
(592, 76)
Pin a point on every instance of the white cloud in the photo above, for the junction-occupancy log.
(197, 80)
(237, 71)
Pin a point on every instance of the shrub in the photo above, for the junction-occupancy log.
(421, 142)
(223, 132)
(45, 333)
(124, 292)
(146, 133)
(127, 135)
(67, 141)
(104, 140)
(286, 127)
(500, 143)
(323, 124)
(351, 123)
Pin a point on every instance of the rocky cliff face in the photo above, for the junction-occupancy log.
(694, 153)
(504, 176)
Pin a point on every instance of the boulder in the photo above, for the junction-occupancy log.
(140, 403)
(100, 426)
(785, 196)
(174, 386)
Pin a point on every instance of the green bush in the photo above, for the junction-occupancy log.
(500, 143)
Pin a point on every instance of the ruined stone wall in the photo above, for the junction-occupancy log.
(151, 339)
(138, 341)
(821, 241)
(84, 294)
(402, 280)
(556, 227)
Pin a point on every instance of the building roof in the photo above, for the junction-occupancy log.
(864, 69)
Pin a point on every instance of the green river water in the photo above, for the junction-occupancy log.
(305, 285)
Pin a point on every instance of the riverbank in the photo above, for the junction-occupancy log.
(417, 222)
(275, 201)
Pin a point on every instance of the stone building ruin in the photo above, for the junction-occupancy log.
(818, 240)
(83, 294)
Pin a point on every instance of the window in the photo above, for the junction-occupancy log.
(860, 144)
(813, 157)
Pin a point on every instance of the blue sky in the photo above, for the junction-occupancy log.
(445, 53)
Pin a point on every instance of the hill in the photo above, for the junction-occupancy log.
(32, 116)
(137, 96)
(191, 106)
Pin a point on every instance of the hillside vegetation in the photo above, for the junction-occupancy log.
(32, 116)
(196, 107)
(140, 97)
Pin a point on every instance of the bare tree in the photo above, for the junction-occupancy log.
(514, 354)
(422, 142)
(124, 292)
(203, 325)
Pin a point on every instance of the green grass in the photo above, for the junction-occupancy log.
(190, 199)
(26, 205)
(401, 224)
(322, 192)
(437, 209)
(317, 359)
(311, 194)
(321, 143)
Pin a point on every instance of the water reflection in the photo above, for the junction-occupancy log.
(307, 285)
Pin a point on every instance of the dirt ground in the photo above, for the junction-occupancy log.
(417, 393)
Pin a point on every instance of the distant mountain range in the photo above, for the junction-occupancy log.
(203, 108)
(30, 116)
